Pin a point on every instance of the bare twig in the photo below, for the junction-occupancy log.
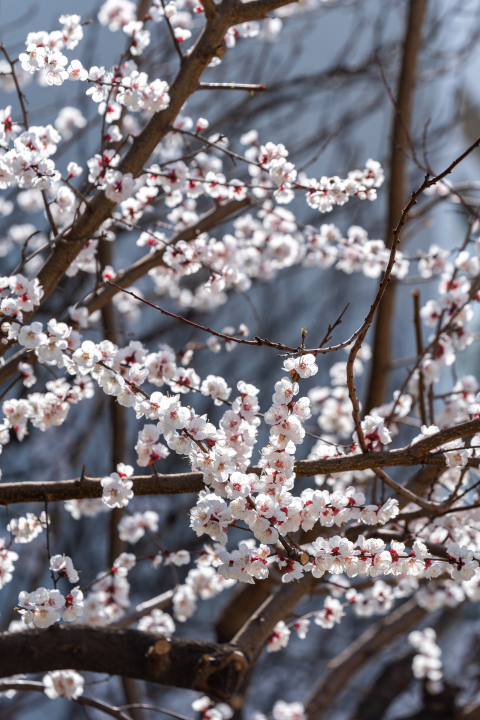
(25, 685)
(231, 86)
(418, 337)
(20, 94)
(381, 346)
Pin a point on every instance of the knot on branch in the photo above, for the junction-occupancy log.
(292, 553)
(159, 654)
(220, 673)
(216, 670)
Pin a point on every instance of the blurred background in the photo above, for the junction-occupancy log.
(327, 102)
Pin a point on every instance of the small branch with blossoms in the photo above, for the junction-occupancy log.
(174, 483)
(67, 684)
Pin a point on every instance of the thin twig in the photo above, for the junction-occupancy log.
(172, 35)
(231, 86)
(418, 337)
(49, 213)
(231, 338)
(143, 706)
(20, 94)
(35, 686)
(54, 579)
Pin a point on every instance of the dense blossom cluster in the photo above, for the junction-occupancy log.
(264, 502)
(26, 528)
(44, 607)
(63, 683)
(364, 546)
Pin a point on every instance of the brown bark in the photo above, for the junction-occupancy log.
(191, 482)
(242, 603)
(416, 454)
(214, 669)
(339, 671)
(392, 681)
(382, 342)
(133, 696)
(251, 638)
(470, 712)
(118, 444)
(117, 413)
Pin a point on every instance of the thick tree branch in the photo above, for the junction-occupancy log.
(381, 359)
(214, 669)
(416, 454)
(251, 638)
(339, 671)
(118, 443)
(242, 603)
(117, 413)
(393, 681)
(210, 8)
(87, 487)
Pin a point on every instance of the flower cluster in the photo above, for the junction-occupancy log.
(109, 599)
(44, 410)
(117, 489)
(201, 582)
(63, 683)
(370, 557)
(259, 246)
(63, 565)
(7, 558)
(158, 623)
(246, 563)
(131, 528)
(323, 194)
(19, 294)
(427, 664)
(26, 528)
(199, 273)
(339, 507)
(44, 607)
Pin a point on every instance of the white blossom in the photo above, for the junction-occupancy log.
(63, 683)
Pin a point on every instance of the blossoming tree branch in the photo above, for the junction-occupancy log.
(358, 537)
